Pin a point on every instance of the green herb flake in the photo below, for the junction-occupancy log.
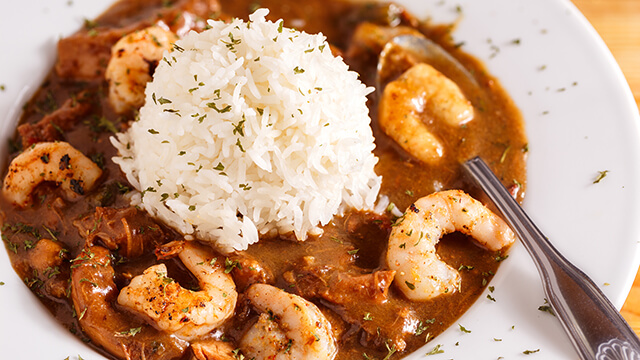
(546, 308)
(601, 175)
(420, 328)
(529, 352)
(229, 265)
(239, 145)
(163, 101)
(436, 350)
(463, 329)
(130, 332)
(390, 350)
(410, 285)
(239, 128)
(221, 111)
(177, 47)
(499, 257)
(504, 154)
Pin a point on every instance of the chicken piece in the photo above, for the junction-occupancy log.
(45, 260)
(213, 350)
(130, 231)
(50, 126)
(246, 271)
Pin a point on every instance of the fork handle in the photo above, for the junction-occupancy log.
(594, 325)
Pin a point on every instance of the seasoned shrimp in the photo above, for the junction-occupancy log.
(170, 307)
(420, 273)
(133, 60)
(49, 161)
(93, 290)
(289, 327)
(420, 95)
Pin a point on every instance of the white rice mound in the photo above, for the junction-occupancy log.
(250, 128)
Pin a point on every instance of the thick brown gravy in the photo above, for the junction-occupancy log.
(354, 244)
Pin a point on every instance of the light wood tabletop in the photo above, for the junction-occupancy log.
(618, 23)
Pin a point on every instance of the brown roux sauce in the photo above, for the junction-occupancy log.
(496, 133)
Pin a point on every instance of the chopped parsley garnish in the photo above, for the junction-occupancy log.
(546, 308)
(601, 175)
(500, 257)
(130, 332)
(435, 350)
(221, 111)
(229, 265)
(463, 329)
(163, 101)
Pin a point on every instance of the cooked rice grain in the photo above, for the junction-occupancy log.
(250, 128)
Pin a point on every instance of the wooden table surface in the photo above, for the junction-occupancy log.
(618, 23)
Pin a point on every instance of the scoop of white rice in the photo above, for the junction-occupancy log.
(250, 128)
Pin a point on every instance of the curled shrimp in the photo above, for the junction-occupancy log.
(420, 95)
(133, 60)
(49, 161)
(289, 327)
(420, 274)
(170, 307)
(93, 290)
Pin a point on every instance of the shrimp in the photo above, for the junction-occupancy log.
(93, 290)
(420, 274)
(133, 60)
(289, 327)
(49, 161)
(420, 95)
(184, 313)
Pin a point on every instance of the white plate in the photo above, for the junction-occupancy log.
(580, 116)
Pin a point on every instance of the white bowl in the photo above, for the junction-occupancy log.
(580, 119)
